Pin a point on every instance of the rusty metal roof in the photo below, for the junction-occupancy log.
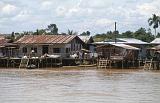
(45, 39)
(3, 41)
(126, 46)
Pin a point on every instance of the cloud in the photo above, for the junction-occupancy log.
(8, 10)
(147, 9)
(96, 3)
(78, 15)
(23, 16)
(61, 11)
(45, 5)
(104, 22)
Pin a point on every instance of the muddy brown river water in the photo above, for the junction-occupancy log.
(79, 86)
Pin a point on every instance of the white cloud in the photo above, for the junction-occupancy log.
(80, 15)
(96, 3)
(23, 16)
(45, 5)
(8, 9)
(61, 11)
(104, 22)
(147, 9)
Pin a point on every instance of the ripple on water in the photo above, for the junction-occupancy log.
(70, 86)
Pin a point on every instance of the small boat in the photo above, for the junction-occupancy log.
(31, 66)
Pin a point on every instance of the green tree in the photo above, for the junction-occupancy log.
(11, 37)
(40, 32)
(87, 33)
(155, 21)
(127, 34)
(141, 34)
(52, 28)
(158, 35)
(83, 33)
(37, 32)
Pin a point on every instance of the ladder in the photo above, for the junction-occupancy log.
(103, 63)
(148, 65)
(24, 63)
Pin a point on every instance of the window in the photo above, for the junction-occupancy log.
(67, 50)
(35, 49)
(56, 50)
(80, 47)
(71, 47)
(77, 47)
(74, 47)
(24, 50)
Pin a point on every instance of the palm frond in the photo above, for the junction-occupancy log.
(150, 23)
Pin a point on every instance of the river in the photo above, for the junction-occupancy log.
(79, 86)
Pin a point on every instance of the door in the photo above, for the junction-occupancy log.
(45, 49)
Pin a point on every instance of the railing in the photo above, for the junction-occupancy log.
(63, 55)
(116, 57)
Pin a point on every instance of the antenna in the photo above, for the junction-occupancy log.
(115, 33)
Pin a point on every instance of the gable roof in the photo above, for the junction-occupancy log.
(127, 41)
(86, 39)
(46, 39)
(155, 47)
(156, 41)
(3, 41)
(126, 46)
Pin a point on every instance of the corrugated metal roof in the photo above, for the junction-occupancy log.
(3, 41)
(155, 47)
(132, 41)
(156, 41)
(45, 39)
(102, 42)
(85, 38)
(127, 41)
(126, 46)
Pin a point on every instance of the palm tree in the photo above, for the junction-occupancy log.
(155, 21)
(71, 32)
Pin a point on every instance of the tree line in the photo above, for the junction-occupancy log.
(141, 33)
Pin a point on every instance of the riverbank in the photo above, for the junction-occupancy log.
(73, 68)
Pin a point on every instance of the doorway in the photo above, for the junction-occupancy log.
(45, 49)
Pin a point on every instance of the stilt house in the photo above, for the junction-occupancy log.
(62, 45)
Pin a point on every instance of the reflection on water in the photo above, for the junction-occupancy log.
(79, 86)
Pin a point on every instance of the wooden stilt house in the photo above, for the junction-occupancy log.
(63, 45)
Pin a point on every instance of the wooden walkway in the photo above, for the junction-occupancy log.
(24, 62)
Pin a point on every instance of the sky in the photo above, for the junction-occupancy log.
(96, 16)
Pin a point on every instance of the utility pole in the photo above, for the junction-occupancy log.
(115, 33)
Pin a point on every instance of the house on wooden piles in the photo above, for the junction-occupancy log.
(89, 46)
(88, 40)
(155, 48)
(7, 49)
(118, 51)
(132, 42)
(61, 45)
(115, 54)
